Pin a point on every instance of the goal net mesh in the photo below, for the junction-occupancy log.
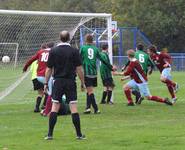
(22, 36)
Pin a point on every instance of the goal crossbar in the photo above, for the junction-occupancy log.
(43, 13)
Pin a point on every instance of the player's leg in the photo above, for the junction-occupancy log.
(71, 98)
(38, 100)
(110, 86)
(37, 86)
(137, 95)
(91, 96)
(88, 101)
(57, 92)
(109, 95)
(172, 87)
(76, 120)
(159, 99)
(48, 105)
(53, 119)
(144, 90)
(90, 84)
(104, 95)
(127, 88)
(47, 110)
(41, 79)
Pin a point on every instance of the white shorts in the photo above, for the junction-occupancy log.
(166, 73)
(41, 79)
(132, 84)
(143, 89)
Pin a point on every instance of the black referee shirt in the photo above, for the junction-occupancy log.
(64, 59)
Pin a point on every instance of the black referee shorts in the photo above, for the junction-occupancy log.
(108, 82)
(37, 85)
(64, 86)
(90, 82)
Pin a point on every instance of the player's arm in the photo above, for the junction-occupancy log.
(125, 78)
(125, 66)
(79, 69)
(116, 73)
(29, 62)
(129, 69)
(167, 60)
(48, 74)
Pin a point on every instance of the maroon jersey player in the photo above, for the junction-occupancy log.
(163, 62)
(139, 81)
(41, 56)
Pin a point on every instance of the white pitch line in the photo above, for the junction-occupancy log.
(9, 89)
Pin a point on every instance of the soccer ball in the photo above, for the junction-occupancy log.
(6, 59)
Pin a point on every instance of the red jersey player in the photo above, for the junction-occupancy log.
(139, 81)
(163, 62)
(41, 56)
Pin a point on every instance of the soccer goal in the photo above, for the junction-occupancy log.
(27, 30)
(11, 50)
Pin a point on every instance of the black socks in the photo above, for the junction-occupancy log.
(52, 122)
(104, 95)
(38, 101)
(109, 95)
(76, 122)
(88, 102)
(93, 101)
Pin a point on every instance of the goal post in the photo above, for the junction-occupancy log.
(9, 49)
(29, 29)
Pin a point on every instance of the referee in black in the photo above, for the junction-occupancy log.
(66, 63)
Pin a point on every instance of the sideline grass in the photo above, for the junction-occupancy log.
(148, 126)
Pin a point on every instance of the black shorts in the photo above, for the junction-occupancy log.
(37, 85)
(90, 82)
(64, 86)
(108, 82)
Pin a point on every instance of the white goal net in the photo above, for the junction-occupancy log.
(23, 32)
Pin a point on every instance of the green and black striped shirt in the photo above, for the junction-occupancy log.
(104, 70)
(90, 54)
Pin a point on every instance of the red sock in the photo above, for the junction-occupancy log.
(128, 95)
(48, 105)
(171, 90)
(170, 83)
(157, 99)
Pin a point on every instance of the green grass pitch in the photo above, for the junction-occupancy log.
(150, 126)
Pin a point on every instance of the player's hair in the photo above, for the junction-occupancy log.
(50, 44)
(140, 47)
(43, 46)
(89, 38)
(64, 36)
(153, 48)
(131, 53)
(104, 46)
(165, 50)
